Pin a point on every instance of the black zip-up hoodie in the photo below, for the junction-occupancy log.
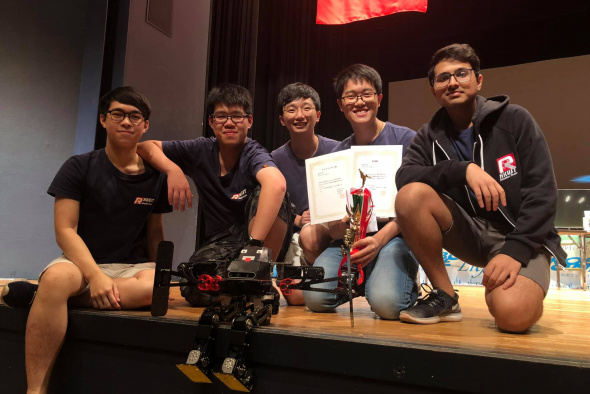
(509, 146)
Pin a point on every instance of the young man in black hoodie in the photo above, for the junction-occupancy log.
(478, 181)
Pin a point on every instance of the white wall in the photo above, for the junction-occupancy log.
(555, 92)
(41, 58)
(40, 65)
(171, 72)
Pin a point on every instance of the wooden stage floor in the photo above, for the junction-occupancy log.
(323, 352)
(562, 335)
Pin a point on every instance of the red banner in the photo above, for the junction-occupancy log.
(338, 12)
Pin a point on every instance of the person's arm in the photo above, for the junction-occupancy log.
(303, 219)
(179, 190)
(272, 192)
(155, 234)
(370, 246)
(538, 190)
(103, 290)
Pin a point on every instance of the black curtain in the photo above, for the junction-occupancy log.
(232, 44)
(266, 44)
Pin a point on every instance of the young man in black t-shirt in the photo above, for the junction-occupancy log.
(108, 223)
(241, 191)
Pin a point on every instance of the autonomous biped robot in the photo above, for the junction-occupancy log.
(248, 298)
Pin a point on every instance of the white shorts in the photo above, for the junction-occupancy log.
(113, 271)
(294, 254)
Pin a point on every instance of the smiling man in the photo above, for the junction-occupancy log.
(241, 191)
(108, 223)
(478, 181)
(390, 268)
(300, 111)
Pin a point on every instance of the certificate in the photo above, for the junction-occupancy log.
(380, 163)
(330, 176)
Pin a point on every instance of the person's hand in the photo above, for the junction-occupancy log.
(368, 249)
(104, 293)
(305, 218)
(486, 189)
(179, 190)
(501, 270)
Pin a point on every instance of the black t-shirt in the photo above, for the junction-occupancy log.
(114, 207)
(223, 198)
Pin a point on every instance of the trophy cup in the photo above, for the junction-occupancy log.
(359, 210)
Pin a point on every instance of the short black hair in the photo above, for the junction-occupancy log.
(229, 94)
(296, 91)
(357, 72)
(126, 95)
(460, 52)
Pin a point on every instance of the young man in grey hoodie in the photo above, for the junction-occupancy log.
(478, 180)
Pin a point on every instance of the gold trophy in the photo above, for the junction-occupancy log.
(359, 210)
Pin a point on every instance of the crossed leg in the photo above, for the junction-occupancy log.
(48, 317)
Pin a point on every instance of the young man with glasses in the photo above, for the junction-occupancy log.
(390, 268)
(300, 111)
(478, 181)
(108, 223)
(241, 192)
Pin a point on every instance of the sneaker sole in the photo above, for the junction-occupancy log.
(3, 294)
(5, 290)
(453, 317)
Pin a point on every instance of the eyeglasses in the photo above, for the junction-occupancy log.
(293, 110)
(118, 116)
(461, 75)
(221, 119)
(353, 98)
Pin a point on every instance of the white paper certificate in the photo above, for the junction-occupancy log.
(380, 163)
(330, 176)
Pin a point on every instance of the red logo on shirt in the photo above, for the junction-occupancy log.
(143, 201)
(240, 195)
(507, 166)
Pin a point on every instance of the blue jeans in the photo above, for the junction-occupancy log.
(390, 280)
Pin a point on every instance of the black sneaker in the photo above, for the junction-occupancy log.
(18, 294)
(434, 307)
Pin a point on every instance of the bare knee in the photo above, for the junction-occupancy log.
(413, 197)
(514, 314)
(295, 299)
(60, 282)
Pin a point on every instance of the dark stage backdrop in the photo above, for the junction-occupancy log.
(266, 44)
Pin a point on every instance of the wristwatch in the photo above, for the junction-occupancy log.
(254, 242)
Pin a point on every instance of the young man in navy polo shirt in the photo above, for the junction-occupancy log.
(300, 111)
(240, 189)
(390, 268)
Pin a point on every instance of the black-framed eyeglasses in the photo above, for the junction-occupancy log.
(461, 75)
(353, 98)
(118, 116)
(221, 119)
(293, 110)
